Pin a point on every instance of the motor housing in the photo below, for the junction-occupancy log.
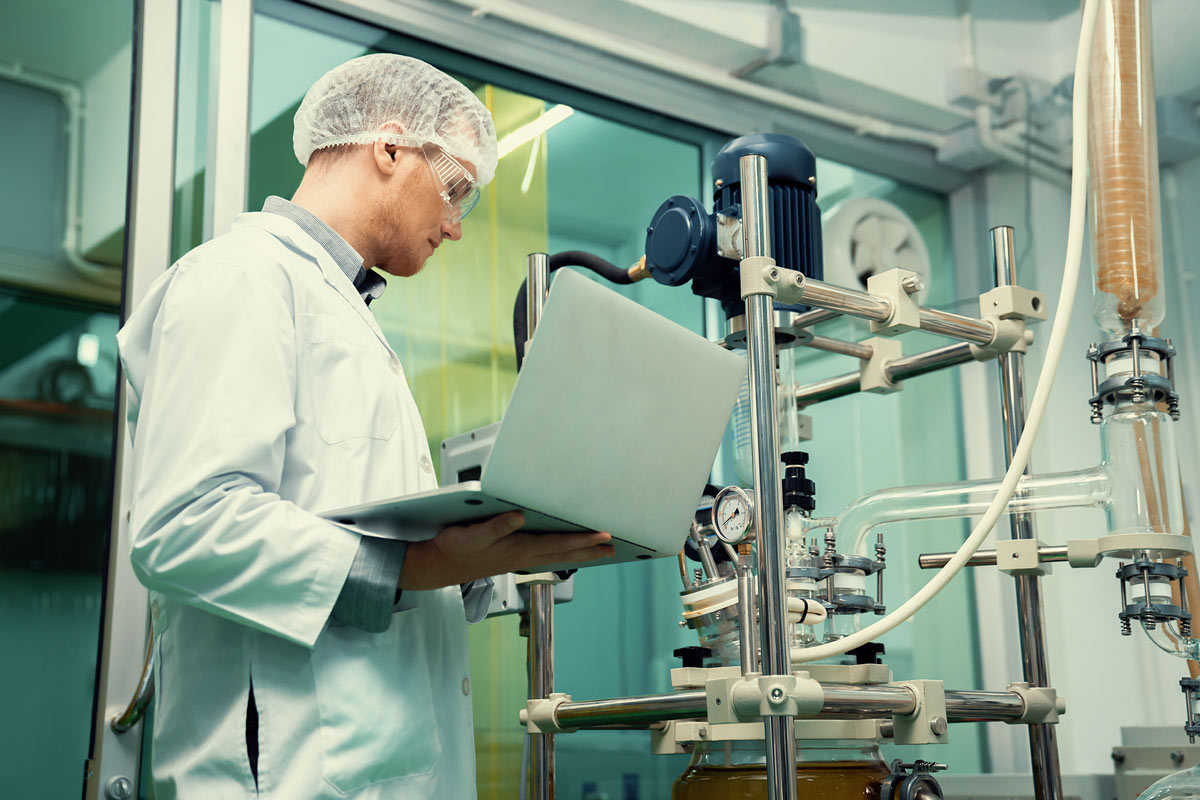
(682, 238)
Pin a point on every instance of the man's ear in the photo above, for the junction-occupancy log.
(385, 154)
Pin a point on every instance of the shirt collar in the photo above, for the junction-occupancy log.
(370, 284)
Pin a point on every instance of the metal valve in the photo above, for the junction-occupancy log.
(913, 781)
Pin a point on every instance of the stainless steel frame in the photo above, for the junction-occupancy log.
(115, 760)
(780, 735)
(1043, 739)
(875, 308)
(841, 702)
(898, 370)
(541, 595)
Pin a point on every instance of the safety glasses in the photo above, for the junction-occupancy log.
(458, 189)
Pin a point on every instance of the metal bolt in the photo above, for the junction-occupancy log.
(774, 274)
(777, 694)
(1118, 756)
(702, 733)
(119, 788)
(812, 178)
(720, 183)
(938, 726)
(1177, 757)
(1126, 628)
(912, 284)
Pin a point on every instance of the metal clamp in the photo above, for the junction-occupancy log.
(540, 715)
(1042, 705)
(752, 697)
(1137, 385)
(913, 781)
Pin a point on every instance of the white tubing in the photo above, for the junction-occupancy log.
(805, 611)
(1037, 409)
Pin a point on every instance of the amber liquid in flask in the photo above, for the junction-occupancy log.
(827, 770)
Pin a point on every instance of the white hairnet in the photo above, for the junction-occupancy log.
(348, 104)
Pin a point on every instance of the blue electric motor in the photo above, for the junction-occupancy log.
(681, 240)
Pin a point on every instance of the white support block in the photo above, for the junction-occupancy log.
(541, 715)
(759, 275)
(1042, 705)
(873, 371)
(897, 285)
(1020, 557)
(1083, 553)
(928, 724)
(1013, 302)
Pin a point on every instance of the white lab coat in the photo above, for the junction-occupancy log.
(262, 390)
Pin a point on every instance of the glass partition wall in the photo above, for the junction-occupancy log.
(64, 101)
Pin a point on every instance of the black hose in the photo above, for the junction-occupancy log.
(567, 258)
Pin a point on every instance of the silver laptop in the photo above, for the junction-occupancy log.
(613, 425)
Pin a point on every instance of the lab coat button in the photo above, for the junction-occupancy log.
(427, 464)
(466, 686)
(394, 365)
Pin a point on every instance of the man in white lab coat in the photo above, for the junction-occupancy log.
(297, 657)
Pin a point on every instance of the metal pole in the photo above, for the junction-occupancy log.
(541, 595)
(779, 733)
(747, 647)
(841, 702)
(1043, 741)
(901, 369)
(987, 558)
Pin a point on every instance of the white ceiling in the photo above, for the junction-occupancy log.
(69, 39)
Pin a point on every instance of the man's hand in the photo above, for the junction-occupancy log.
(463, 553)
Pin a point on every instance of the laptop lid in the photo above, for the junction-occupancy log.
(615, 418)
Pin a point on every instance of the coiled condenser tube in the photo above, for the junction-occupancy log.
(1126, 229)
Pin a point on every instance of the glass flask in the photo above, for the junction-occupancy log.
(1181, 785)
(831, 769)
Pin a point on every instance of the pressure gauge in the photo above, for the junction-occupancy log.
(733, 514)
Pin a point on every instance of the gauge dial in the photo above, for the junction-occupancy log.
(733, 514)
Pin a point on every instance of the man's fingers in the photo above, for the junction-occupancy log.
(542, 544)
(577, 556)
(503, 525)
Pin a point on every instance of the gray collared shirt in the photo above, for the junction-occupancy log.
(369, 594)
(369, 283)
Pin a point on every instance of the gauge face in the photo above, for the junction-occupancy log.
(733, 514)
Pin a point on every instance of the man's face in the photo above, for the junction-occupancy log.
(415, 218)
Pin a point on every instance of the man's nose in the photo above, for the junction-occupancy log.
(452, 230)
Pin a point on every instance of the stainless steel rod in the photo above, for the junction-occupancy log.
(747, 648)
(920, 364)
(845, 301)
(828, 389)
(1050, 554)
(877, 309)
(779, 733)
(901, 369)
(852, 349)
(841, 702)
(810, 318)
(1043, 743)
(956, 326)
(690, 704)
(541, 596)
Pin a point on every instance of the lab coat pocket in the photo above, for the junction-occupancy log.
(376, 705)
(353, 392)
